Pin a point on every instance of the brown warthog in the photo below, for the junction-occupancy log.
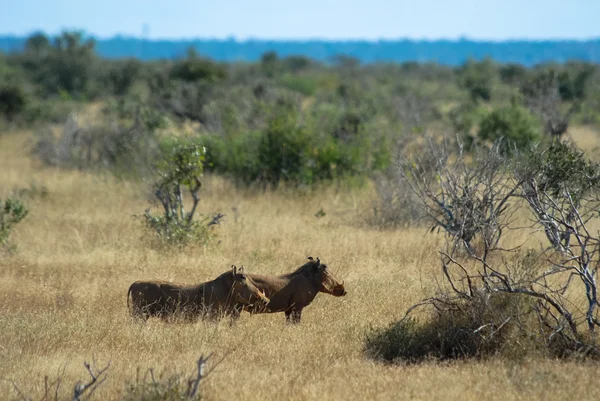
(292, 292)
(225, 295)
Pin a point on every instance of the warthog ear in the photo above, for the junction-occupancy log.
(234, 269)
(241, 271)
(310, 258)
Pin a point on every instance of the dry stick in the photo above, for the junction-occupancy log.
(17, 389)
(196, 382)
(45, 388)
(80, 389)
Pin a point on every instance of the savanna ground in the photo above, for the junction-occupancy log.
(63, 297)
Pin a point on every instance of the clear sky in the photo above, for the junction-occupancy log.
(301, 19)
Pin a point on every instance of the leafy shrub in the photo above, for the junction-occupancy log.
(513, 74)
(465, 119)
(12, 100)
(179, 170)
(572, 82)
(12, 211)
(303, 84)
(194, 68)
(287, 152)
(513, 123)
(68, 66)
(122, 75)
(51, 110)
(477, 79)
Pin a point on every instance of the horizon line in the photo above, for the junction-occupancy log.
(462, 38)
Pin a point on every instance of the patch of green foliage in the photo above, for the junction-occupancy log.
(12, 211)
(178, 171)
(515, 124)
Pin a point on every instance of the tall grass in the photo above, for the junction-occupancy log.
(63, 297)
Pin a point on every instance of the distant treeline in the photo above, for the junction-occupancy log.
(448, 52)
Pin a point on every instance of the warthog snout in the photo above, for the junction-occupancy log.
(339, 291)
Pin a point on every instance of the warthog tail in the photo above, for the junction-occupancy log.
(129, 292)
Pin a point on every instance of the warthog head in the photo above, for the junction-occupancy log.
(329, 284)
(243, 289)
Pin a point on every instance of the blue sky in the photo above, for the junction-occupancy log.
(282, 19)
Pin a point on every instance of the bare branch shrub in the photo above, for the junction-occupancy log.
(81, 391)
(124, 148)
(542, 97)
(396, 205)
(466, 198)
(148, 388)
(97, 377)
(495, 300)
(557, 183)
(172, 388)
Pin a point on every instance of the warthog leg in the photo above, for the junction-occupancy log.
(293, 316)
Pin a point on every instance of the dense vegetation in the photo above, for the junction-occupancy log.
(281, 120)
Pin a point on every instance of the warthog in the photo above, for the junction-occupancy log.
(292, 292)
(225, 295)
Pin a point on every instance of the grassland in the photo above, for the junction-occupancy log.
(63, 297)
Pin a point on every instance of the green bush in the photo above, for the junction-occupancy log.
(286, 151)
(513, 123)
(465, 119)
(305, 85)
(13, 100)
(477, 78)
(12, 211)
(122, 75)
(51, 110)
(195, 68)
(179, 170)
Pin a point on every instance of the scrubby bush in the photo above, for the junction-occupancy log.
(12, 211)
(477, 78)
(126, 147)
(195, 68)
(181, 169)
(514, 124)
(291, 149)
(496, 300)
(13, 100)
(122, 75)
(484, 326)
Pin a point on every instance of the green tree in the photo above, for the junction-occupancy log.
(123, 74)
(12, 100)
(38, 44)
(513, 123)
(181, 169)
(477, 78)
(270, 64)
(195, 68)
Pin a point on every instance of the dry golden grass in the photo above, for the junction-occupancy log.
(63, 298)
(586, 138)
